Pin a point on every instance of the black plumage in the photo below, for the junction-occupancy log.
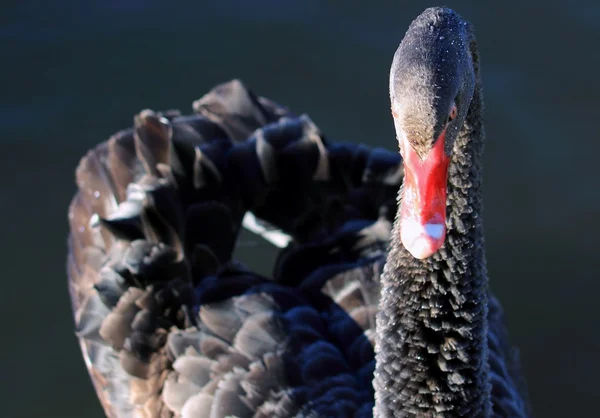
(170, 325)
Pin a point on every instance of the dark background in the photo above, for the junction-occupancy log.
(74, 72)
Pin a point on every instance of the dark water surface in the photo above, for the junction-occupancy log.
(75, 72)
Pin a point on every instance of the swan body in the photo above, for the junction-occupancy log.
(349, 324)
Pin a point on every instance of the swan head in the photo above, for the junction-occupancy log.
(432, 81)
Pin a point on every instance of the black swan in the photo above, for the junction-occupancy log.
(171, 326)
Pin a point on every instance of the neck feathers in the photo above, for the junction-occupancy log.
(432, 322)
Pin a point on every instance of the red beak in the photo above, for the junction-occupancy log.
(423, 211)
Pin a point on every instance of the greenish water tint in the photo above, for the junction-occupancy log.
(75, 72)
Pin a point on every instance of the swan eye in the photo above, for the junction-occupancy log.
(453, 113)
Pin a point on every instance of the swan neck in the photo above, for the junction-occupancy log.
(431, 348)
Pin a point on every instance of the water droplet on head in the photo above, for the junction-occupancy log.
(96, 194)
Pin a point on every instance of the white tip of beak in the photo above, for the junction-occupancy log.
(422, 240)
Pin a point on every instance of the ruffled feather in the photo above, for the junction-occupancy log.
(171, 326)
